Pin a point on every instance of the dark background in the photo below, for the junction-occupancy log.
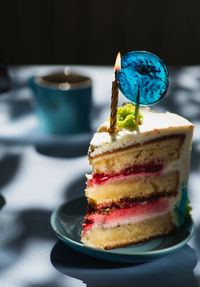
(92, 31)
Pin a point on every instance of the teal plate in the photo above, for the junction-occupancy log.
(67, 220)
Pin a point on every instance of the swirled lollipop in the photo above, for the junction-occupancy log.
(143, 78)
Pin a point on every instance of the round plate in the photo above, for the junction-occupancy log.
(146, 72)
(67, 221)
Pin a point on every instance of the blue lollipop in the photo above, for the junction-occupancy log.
(143, 77)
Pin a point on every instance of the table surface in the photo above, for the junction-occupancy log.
(33, 185)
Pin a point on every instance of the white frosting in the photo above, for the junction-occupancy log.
(153, 125)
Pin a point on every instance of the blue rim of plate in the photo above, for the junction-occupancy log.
(120, 254)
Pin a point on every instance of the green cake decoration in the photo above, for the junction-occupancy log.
(126, 117)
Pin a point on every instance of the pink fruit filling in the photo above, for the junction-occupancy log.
(137, 169)
(134, 213)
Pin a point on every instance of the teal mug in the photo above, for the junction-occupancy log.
(63, 102)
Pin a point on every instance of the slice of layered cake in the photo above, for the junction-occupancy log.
(138, 187)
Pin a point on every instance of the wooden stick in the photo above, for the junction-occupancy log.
(137, 105)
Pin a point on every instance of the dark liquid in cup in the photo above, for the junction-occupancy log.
(61, 77)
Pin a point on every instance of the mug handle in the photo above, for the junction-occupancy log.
(31, 83)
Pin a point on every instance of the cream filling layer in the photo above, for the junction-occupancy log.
(128, 220)
(137, 213)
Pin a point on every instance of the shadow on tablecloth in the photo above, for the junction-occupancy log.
(76, 188)
(174, 270)
(9, 165)
(2, 201)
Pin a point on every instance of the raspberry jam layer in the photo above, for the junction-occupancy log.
(107, 208)
(138, 169)
(129, 214)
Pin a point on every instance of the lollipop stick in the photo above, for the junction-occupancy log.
(137, 105)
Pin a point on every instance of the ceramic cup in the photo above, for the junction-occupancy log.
(63, 102)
